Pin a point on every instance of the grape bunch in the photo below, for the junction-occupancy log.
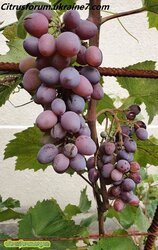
(116, 160)
(62, 89)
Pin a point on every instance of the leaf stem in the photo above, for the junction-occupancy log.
(126, 13)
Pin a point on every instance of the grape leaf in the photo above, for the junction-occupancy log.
(71, 210)
(153, 20)
(115, 243)
(151, 5)
(4, 237)
(105, 103)
(25, 147)
(142, 90)
(9, 214)
(147, 152)
(84, 204)
(9, 203)
(47, 219)
(136, 217)
(88, 221)
(10, 32)
(7, 86)
(16, 52)
(63, 5)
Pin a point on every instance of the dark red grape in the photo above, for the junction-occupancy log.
(85, 131)
(69, 78)
(116, 175)
(126, 196)
(71, 19)
(98, 92)
(119, 205)
(68, 44)
(47, 13)
(130, 115)
(36, 24)
(134, 201)
(47, 153)
(123, 154)
(81, 59)
(78, 163)
(128, 185)
(42, 62)
(46, 45)
(136, 177)
(26, 64)
(45, 95)
(46, 120)
(70, 121)
(106, 170)
(84, 88)
(109, 148)
(135, 109)
(134, 167)
(125, 130)
(76, 103)
(142, 134)
(86, 30)
(30, 45)
(94, 56)
(58, 106)
(60, 163)
(85, 145)
(57, 132)
(93, 175)
(49, 76)
(116, 191)
(107, 158)
(123, 166)
(59, 62)
(31, 79)
(91, 73)
(130, 145)
(70, 150)
(91, 162)
(139, 124)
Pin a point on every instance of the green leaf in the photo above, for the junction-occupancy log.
(105, 103)
(5, 237)
(147, 152)
(47, 219)
(84, 204)
(63, 3)
(25, 147)
(9, 214)
(130, 216)
(16, 52)
(153, 20)
(71, 210)
(7, 86)
(152, 5)
(142, 90)
(88, 221)
(10, 32)
(11, 203)
(115, 243)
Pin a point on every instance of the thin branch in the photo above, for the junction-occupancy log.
(126, 13)
(84, 178)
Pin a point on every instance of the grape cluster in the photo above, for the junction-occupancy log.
(60, 88)
(116, 161)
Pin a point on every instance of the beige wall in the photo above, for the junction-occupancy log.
(119, 50)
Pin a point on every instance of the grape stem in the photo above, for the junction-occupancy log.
(101, 197)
